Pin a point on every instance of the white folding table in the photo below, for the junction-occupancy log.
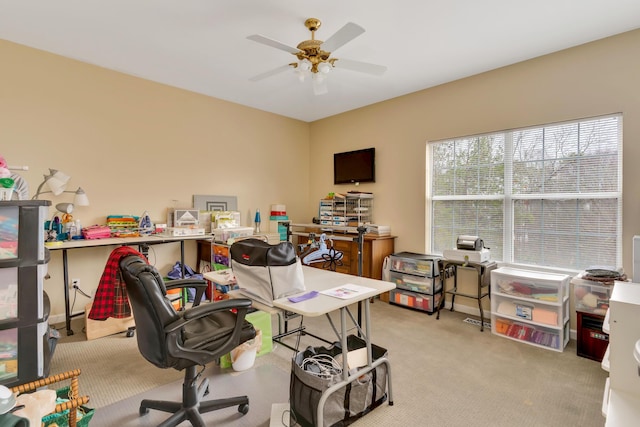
(320, 280)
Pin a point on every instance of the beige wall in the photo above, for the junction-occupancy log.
(590, 80)
(136, 145)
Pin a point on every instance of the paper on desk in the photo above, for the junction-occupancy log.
(347, 291)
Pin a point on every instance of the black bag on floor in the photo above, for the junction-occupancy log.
(345, 405)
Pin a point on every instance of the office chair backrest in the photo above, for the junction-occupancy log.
(152, 310)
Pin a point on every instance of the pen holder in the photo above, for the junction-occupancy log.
(6, 193)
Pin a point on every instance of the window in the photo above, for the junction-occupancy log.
(546, 196)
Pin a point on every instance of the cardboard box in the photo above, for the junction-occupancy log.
(101, 328)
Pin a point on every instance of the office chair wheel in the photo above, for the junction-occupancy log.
(130, 332)
(244, 408)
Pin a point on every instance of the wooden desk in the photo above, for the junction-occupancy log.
(65, 246)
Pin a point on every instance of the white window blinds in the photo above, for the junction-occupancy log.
(547, 196)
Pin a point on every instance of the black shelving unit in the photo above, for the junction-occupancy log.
(417, 279)
(25, 349)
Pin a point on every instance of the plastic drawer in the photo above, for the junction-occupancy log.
(8, 355)
(8, 293)
(528, 311)
(536, 286)
(591, 297)
(414, 300)
(519, 331)
(419, 264)
(27, 246)
(426, 285)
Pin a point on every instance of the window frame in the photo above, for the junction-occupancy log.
(509, 199)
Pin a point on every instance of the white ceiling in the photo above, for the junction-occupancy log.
(202, 46)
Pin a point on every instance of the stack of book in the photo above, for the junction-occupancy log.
(123, 225)
(379, 230)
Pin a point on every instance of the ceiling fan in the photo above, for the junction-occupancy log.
(314, 56)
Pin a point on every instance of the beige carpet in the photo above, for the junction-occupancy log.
(444, 372)
(263, 384)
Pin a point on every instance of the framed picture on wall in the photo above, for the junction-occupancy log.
(215, 203)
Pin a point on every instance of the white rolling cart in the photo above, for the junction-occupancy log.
(621, 400)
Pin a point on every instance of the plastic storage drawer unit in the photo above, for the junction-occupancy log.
(531, 307)
(591, 297)
(417, 279)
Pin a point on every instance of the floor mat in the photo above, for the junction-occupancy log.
(476, 322)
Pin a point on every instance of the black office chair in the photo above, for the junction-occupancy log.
(183, 339)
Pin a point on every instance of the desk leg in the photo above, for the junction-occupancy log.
(480, 298)
(67, 309)
(183, 272)
(182, 258)
(443, 282)
(455, 287)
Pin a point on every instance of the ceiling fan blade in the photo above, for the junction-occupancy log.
(344, 35)
(363, 67)
(273, 43)
(270, 73)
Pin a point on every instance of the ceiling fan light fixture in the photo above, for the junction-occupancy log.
(301, 75)
(324, 67)
(319, 85)
(305, 65)
(318, 77)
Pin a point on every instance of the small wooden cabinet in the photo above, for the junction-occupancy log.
(592, 342)
(375, 249)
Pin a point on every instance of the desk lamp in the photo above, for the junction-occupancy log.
(57, 182)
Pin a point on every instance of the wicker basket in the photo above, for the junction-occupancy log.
(70, 410)
(63, 419)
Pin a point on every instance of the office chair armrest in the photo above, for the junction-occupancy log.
(186, 283)
(200, 285)
(222, 305)
(206, 309)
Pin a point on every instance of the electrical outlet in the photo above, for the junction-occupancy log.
(75, 283)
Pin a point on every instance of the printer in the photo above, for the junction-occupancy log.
(469, 249)
(469, 243)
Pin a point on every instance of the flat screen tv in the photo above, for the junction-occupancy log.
(354, 166)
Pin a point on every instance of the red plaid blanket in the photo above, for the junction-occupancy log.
(111, 296)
